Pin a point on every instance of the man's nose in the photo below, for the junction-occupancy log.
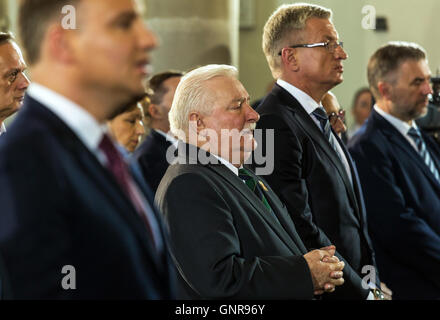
(147, 38)
(23, 82)
(427, 89)
(252, 115)
(341, 53)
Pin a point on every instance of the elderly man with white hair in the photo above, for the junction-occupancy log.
(231, 236)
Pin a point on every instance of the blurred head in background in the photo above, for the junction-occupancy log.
(127, 128)
(362, 105)
(163, 86)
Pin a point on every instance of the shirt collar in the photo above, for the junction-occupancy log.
(80, 121)
(227, 164)
(303, 98)
(168, 137)
(2, 129)
(400, 125)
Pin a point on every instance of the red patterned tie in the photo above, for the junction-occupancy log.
(117, 166)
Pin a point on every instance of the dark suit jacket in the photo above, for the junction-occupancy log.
(226, 243)
(60, 206)
(403, 205)
(151, 156)
(311, 180)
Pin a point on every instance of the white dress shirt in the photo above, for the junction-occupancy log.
(309, 106)
(81, 122)
(229, 165)
(2, 129)
(400, 125)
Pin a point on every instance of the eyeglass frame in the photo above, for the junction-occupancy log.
(316, 45)
(340, 115)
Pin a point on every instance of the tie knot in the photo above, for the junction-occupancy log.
(321, 116)
(244, 174)
(320, 113)
(247, 178)
(114, 158)
(414, 133)
(106, 144)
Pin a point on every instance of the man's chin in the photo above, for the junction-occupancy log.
(339, 80)
(423, 112)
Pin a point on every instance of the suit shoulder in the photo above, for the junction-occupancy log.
(27, 145)
(188, 177)
(370, 144)
(272, 120)
(153, 147)
(270, 105)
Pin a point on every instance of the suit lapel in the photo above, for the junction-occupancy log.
(433, 149)
(104, 180)
(305, 122)
(399, 141)
(264, 212)
(281, 213)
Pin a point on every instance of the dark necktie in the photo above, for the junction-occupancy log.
(117, 166)
(421, 146)
(254, 186)
(326, 128)
(322, 117)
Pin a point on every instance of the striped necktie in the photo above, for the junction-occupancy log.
(322, 117)
(424, 153)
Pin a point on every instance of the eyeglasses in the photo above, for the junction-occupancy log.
(333, 116)
(331, 46)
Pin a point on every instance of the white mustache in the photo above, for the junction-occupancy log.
(251, 127)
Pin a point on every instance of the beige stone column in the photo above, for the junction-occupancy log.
(194, 32)
(4, 19)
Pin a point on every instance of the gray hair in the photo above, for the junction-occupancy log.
(6, 37)
(285, 23)
(191, 95)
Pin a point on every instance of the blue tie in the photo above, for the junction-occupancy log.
(424, 153)
(322, 117)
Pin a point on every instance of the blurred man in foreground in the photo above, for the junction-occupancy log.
(74, 223)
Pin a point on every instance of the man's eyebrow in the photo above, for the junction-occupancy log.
(241, 99)
(126, 15)
(420, 79)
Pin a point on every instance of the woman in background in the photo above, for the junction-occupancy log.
(127, 128)
(362, 104)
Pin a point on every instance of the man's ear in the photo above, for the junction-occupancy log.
(385, 89)
(60, 44)
(154, 111)
(196, 122)
(289, 59)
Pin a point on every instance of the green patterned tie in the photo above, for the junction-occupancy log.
(254, 186)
